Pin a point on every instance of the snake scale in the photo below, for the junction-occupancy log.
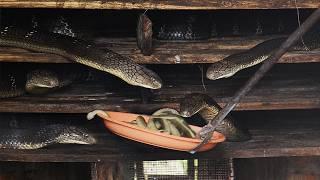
(230, 65)
(183, 26)
(81, 52)
(38, 81)
(193, 27)
(11, 84)
(44, 136)
(203, 104)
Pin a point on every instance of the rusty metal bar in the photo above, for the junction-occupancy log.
(206, 131)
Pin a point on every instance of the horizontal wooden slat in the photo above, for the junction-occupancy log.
(274, 134)
(294, 86)
(162, 4)
(168, 52)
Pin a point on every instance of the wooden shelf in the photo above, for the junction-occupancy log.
(274, 134)
(167, 52)
(162, 4)
(285, 87)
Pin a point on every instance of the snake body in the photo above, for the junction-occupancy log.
(38, 81)
(11, 84)
(230, 65)
(207, 108)
(183, 26)
(43, 81)
(44, 136)
(81, 52)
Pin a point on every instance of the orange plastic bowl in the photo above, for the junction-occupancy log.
(117, 122)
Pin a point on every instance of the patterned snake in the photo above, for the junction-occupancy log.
(81, 52)
(236, 62)
(37, 81)
(45, 136)
(207, 108)
(194, 27)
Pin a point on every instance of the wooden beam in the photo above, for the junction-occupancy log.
(303, 168)
(166, 52)
(160, 4)
(274, 134)
(106, 171)
(296, 87)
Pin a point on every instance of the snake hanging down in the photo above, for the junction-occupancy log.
(81, 52)
(207, 108)
(230, 65)
(44, 136)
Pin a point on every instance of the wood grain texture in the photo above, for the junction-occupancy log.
(166, 52)
(105, 171)
(293, 87)
(162, 4)
(291, 168)
(48, 171)
(274, 134)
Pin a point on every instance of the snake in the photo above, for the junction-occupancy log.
(166, 120)
(44, 136)
(234, 63)
(182, 26)
(207, 108)
(43, 81)
(11, 86)
(38, 81)
(82, 52)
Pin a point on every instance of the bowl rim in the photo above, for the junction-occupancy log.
(216, 138)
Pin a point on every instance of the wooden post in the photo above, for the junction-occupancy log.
(106, 171)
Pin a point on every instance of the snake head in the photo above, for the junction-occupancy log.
(220, 70)
(76, 135)
(41, 81)
(191, 104)
(146, 78)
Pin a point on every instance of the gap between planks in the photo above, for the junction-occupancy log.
(209, 51)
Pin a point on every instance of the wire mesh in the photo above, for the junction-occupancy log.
(196, 169)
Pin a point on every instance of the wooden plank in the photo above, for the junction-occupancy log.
(168, 52)
(48, 171)
(303, 168)
(274, 134)
(105, 171)
(162, 4)
(296, 87)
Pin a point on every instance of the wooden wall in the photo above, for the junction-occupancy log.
(281, 168)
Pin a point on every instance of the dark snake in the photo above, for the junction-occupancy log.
(81, 52)
(230, 65)
(44, 136)
(38, 81)
(207, 108)
(191, 27)
(11, 85)
(182, 26)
